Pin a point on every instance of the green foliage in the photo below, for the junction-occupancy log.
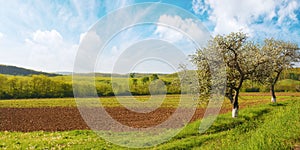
(252, 90)
(35, 86)
(154, 77)
(284, 85)
(145, 80)
(291, 73)
(40, 86)
(132, 75)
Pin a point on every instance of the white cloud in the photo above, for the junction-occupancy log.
(288, 12)
(82, 36)
(90, 46)
(199, 6)
(234, 15)
(47, 38)
(115, 48)
(1, 36)
(125, 37)
(49, 51)
(150, 56)
(172, 29)
(168, 34)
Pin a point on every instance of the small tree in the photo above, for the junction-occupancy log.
(132, 75)
(281, 55)
(145, 80)
(242, 58)
(134, 82)
(154, 77)
(3, 86)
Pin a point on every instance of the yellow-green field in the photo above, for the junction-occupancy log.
(260, 125)
(169, 101)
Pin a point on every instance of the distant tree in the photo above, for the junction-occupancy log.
(157, 87)
(145, 80)
(65, 90)
(35, 86)
(281, 56)
(3, 86)
(132, 75)
(174, 87)
(13, 89)
(41, 86)
(134, 82)
(242, 58)
(154, 77)
(23, 89)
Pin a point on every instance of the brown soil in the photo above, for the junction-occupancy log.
(67, 118)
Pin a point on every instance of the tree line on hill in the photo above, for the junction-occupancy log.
(41, 86)
(35, 86)
(13, 70)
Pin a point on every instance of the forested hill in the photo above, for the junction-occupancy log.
(13, 70)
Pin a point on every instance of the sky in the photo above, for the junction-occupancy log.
(46, 35)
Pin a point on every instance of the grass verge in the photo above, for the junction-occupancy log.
(265, 126)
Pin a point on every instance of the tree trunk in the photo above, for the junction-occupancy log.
(235, 105)
(272, 90)
(230, 95)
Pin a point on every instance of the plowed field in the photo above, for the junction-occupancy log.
(69, 118)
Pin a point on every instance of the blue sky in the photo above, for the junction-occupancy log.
(45, 35)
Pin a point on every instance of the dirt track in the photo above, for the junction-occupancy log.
(67, 118)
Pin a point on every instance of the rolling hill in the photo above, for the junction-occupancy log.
(13, 70)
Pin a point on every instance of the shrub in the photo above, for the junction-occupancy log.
(252, 89)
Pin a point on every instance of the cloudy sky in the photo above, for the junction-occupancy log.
(45, 35)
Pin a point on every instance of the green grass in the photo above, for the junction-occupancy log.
(288, 85)
(52, 140)
(33, 103)
(288, 82)
(264, 126)
(261, 127)
(169, 101)
(277, 129)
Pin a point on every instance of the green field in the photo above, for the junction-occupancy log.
(260, 125)
(170, 100)
(40, 86)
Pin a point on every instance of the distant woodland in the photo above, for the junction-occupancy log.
(32, 84)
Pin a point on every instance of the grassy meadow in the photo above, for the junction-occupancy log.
(260, 125)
